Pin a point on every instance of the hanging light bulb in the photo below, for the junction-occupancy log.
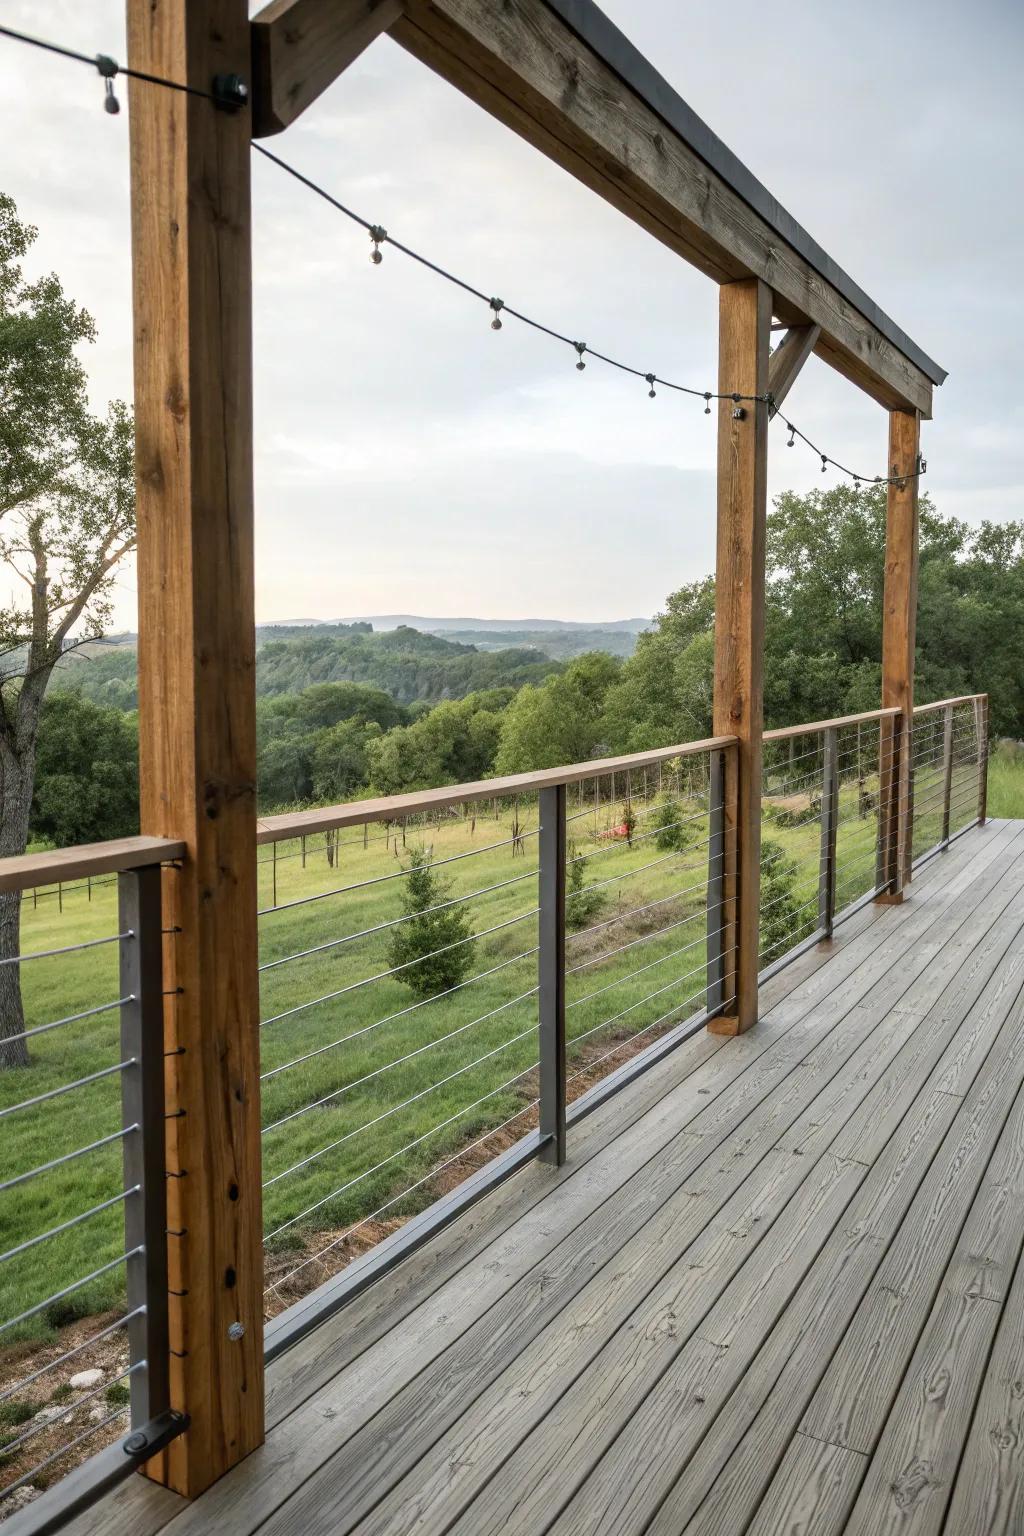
(707, 402)
(497, 305)
(650, 377)
(581, 347)
(377, 235)
(108, 69)
(792, 434)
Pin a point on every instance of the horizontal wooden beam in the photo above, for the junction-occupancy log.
(300, 46)
(527, 67)
(788, 359)
(30, 870)
(812, 727)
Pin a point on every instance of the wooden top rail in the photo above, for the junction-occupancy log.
(783, 733)
(273, 829)
(59, 864)
(963, 698)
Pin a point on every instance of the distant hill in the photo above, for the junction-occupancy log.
(385, 621)
(412, 666)
(560, 644)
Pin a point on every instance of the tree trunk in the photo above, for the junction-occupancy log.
(15, 805)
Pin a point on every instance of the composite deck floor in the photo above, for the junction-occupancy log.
(776, 1289)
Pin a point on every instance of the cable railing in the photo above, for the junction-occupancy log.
(425, 988)
(949, 771)
(84, 1340)
(449, 981)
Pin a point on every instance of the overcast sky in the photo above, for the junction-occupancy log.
(408, 458)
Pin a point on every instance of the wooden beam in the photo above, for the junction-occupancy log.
(197, 739)
(745, 313)
(899, 622)
(521, 62)
(788, 358)
(300, 46)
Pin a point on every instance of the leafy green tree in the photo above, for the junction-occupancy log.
(87, 774)
(561, 721)
(67, 520)
(341, 760)
(435, 948)
(454, 744)
(581, 904)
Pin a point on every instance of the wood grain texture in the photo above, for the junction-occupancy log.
(300, 47)
(197, 738)
(745, 317)
(523, 64)
(788, 359)
(811, 1492)
(989, 1491)
(58, 864)
(899, 628)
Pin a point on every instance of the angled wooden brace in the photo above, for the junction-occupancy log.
(299, 47)
(787, 360)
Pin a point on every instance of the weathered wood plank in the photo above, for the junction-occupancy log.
(906, 1488)
(522, 63)
(191, 240)
(745, 317)
(733, 1465)
(811, 1492)
(789, 358)
(989, 1491)
(851, 1404)
(299, 47)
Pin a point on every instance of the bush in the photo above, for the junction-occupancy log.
(629, 820)
(675, 830)
(415, 944)
(580, 904)
(783, 921)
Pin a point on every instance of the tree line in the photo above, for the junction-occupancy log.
(337, 740)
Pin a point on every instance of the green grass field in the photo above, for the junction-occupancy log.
(384, 1087)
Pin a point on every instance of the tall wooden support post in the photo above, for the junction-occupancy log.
(745, 313)
(899, 622)
(197, 749)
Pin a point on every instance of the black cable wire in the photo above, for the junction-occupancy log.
(108, 68)
(380, 236)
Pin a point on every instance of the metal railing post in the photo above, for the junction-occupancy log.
(145, 1162)
(981, 736)
(892, 767)
(716, 883)
(552, 973)
(947, 769)
(829, 826)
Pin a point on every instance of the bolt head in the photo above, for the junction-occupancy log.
(236, 1331)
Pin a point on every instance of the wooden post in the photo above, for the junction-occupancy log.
(745, 313)
(197, 747)
(899, 621)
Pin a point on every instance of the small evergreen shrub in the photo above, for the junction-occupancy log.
(434, 949)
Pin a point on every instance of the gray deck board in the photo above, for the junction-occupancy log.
(777, 1287)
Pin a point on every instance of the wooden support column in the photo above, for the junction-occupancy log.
(899, 622)
(745, 313)
(197, 747)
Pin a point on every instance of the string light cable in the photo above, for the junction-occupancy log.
(230, 92)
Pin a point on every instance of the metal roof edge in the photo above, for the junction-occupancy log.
(594, 28)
